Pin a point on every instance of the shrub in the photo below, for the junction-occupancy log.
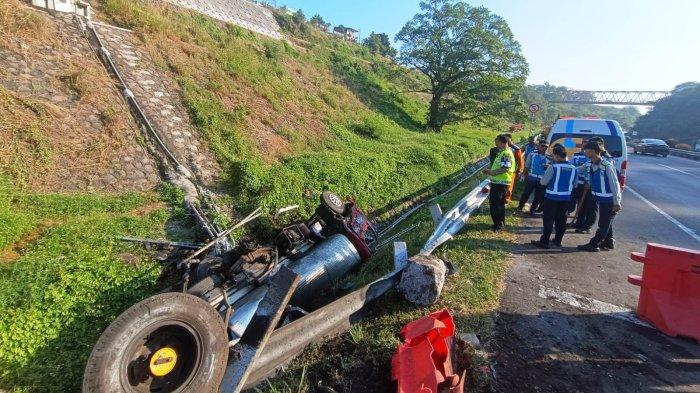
(683, 146)
(273, 49)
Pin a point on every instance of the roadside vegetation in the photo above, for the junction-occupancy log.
(675, 118)
(289, 120)
(64, 276)
(285, 120)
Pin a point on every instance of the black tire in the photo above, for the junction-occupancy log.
(333, 202)
(191, 325)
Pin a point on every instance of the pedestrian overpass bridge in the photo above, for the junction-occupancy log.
(609, 97)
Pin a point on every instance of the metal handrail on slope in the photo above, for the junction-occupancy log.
(129, 96)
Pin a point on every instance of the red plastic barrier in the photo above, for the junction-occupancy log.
(669, 296)
(424, 361)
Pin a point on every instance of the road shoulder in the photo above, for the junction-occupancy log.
(562, 326)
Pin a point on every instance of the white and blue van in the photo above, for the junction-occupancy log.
(575, 132)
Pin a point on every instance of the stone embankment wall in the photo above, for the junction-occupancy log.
(82, 134)
(246, 14)
(159, 98)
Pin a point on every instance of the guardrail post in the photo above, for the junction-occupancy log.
(436, 213)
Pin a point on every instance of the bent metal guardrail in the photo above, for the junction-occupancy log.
(693, 155)
(453, 221)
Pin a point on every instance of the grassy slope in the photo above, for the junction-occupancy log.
(290, 121)
(64, 277)
(286, 122)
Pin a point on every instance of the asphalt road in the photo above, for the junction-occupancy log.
(565, 322)
(672, 184)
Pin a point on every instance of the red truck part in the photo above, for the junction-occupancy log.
(669, 296)
(423, 363)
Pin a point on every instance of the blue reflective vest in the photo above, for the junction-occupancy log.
(529, 148)
(537, 166)
(577, 160)
(600, 184)
(561, 185)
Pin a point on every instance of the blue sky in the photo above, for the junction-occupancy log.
(593, 44)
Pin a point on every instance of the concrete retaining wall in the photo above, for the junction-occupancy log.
(243, 13)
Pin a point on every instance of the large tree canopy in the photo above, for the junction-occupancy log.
(676, 116)
(471, 58)
(379, 44)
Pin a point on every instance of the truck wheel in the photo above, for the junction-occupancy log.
(333, 202)
(171, 342)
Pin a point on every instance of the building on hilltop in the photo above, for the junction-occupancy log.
(288, 10)
(79, 7)
(348, 33)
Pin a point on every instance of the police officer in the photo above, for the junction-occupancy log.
(606, 191)
(588, 211)
(501, 175)
(519, 165)
(535, 165)
(559, 180)
(530, 147)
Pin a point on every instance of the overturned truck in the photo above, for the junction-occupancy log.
(245, 313)
(180, 341)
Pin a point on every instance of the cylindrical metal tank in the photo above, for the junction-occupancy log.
(324, 265)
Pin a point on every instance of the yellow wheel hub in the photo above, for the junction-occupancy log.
(162, 362)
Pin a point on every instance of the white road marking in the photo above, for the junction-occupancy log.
(590, 305)
(668, 217)
(677, 170)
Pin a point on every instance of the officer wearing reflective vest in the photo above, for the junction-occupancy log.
(535, 165)
(501, 176)
(582, 199)
(606, 191)
(559, 180)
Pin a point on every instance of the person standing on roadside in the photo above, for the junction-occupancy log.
(588, 211)
(530, 147)
(519, 165)
(501, 174)
(535, 166)
(606, 191)
(559, 180)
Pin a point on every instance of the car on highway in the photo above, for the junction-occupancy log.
(574, 132)
(652, 146)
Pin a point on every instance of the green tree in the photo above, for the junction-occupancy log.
(379, 44)
(294, 24)
(471, 58)
(675, 116)
(318, 21)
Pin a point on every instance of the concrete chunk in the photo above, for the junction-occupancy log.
(422, 280)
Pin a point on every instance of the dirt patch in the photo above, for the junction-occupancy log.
(148, 209)
(14, 251)
(128, 259)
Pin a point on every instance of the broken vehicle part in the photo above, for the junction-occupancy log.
(264, 320)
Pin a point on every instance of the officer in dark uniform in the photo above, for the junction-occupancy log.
(606, 191)
(559, 180)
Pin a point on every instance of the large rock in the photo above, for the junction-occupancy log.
(422, 280)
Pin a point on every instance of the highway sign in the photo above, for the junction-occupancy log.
(534, 108)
